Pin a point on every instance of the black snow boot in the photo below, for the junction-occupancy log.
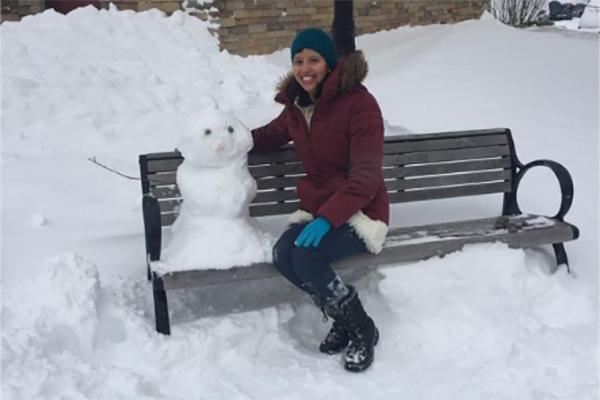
(337, 337)
(336, 340)
(361, 330)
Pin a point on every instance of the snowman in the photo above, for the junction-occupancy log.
(214, 229)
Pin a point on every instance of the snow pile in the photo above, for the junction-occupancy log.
(506, 332)
(117, 80)
(53, 329)
(61, 327)
(214, 229)
(509, 323)
(591, 16)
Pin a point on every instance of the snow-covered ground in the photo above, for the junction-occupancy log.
(486, 322)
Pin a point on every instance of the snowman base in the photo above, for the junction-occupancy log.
(214, 243)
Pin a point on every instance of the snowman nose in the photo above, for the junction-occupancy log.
(220, 147)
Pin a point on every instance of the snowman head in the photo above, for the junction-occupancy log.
(214, 139)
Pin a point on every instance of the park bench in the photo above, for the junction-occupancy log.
(415, 168)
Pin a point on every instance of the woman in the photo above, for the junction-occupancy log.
(337, 131)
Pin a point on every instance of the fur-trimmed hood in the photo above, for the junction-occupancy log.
(349, 73)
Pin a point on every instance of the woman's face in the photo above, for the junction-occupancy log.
(310, 68)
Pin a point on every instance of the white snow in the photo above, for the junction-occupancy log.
(485, 322)
(591, 16)
(213, 228)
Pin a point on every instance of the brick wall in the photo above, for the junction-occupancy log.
(168, 6)
(262, 26)
(14, 10)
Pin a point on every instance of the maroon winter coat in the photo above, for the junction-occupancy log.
(342, 150)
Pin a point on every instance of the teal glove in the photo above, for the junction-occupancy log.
(312, 233)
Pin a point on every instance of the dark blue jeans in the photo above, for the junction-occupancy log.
(308, 268)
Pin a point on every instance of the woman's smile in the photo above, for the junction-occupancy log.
(310, 68)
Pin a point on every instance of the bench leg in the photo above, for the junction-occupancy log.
(161, 308)
(561, 257)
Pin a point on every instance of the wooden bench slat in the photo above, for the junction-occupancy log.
(170, 205)
(165, 192)
(162, 155)
(467, 227)
(163, 179)
(167, 219)
(405, 245)
(392, 170)
(447, 180)
(164, 165)
(278, 183)
(456, 191)
(169, 215)
(442, 229)
(275, 195)
(445, 155)
(285, 154)
(444, 144)
(170, 178)
(260, 210)
(446, 135)
(445, 168)
(410, 252)
(261, 171)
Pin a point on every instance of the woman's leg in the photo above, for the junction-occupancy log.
(310, 270)
(311, 265)
(282, 254)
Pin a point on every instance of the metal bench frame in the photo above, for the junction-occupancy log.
(416, 168)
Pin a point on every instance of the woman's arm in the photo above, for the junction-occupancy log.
(271, 136)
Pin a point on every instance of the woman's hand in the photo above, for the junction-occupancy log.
(312, 233)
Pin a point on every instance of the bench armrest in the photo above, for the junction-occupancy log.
(564, 179)
(152, 227)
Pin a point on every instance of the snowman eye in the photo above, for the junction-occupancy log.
(207, 132)
(230, 129)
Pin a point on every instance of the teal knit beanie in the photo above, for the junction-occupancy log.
(317, 40)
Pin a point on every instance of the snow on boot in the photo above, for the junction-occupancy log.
(360, 353)
(336, 339)
(362, 332)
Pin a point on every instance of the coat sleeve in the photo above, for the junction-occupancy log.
(271, 136)
(366, 159)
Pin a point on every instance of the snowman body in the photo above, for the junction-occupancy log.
(214, 229)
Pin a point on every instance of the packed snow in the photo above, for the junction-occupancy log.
(591, 16)
(214, 228)
(484, 322)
